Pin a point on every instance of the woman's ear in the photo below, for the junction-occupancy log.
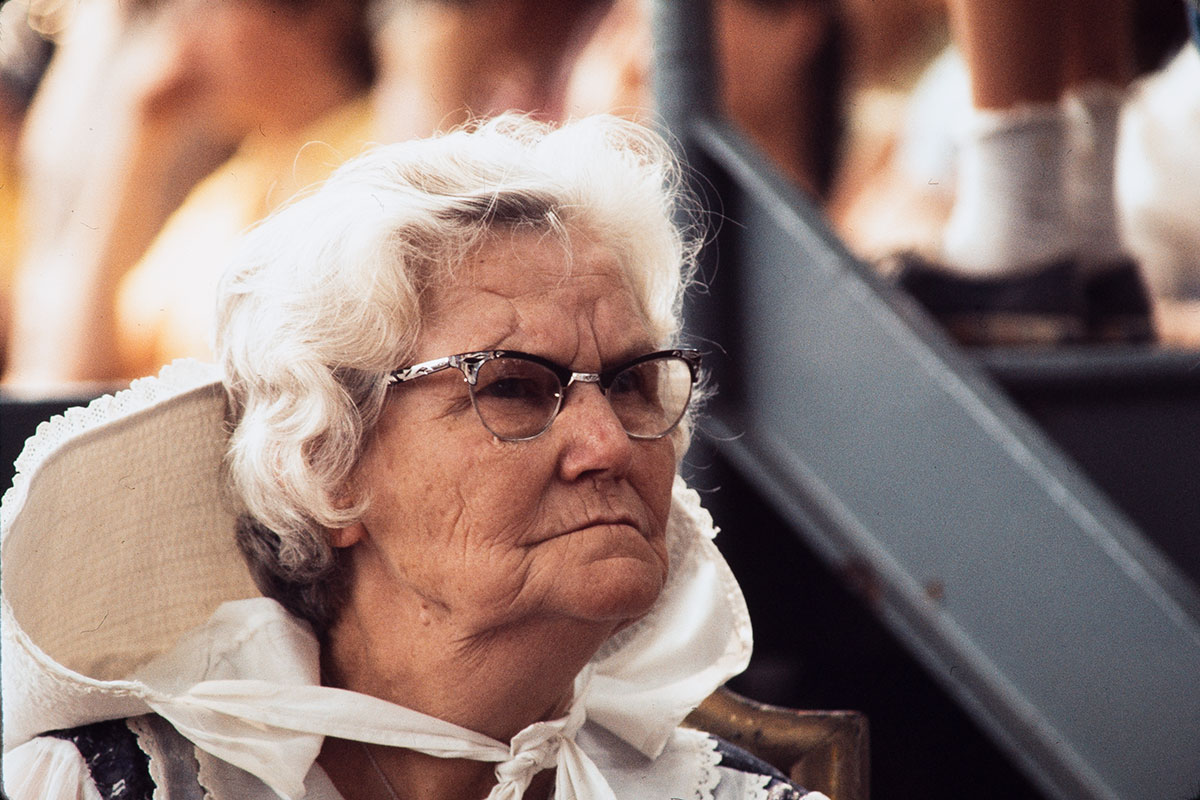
(348, 536)
(346, 497)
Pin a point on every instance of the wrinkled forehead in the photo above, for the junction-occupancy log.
(536, 261)
(536, 286)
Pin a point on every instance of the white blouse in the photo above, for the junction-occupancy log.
(52, 769)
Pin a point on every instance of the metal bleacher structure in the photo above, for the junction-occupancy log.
(957, 495)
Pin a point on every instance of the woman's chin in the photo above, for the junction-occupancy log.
(618, 590)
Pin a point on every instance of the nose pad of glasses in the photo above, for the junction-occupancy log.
(599, 396)
(586, 377)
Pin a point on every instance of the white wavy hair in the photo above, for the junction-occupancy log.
(324, 299)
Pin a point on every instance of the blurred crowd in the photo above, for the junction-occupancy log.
(1037, 160)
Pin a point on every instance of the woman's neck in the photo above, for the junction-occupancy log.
(370, 772)
(496, 684)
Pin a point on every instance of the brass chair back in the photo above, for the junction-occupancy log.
(827, 751)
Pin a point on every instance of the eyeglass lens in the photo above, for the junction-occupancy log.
(518, 399)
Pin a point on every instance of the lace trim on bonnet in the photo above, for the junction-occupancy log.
(174, 379)
(708, 758)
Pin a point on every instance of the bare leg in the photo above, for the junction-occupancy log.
(767, 86)
(1099, 43)
(1014, 50)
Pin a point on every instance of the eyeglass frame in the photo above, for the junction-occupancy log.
(470, 363)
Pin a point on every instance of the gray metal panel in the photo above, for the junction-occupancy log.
(1013, 578)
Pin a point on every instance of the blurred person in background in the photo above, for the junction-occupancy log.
(886, 197)
(140, 102)
(125, 292)
(120, 294)
(24, 53)
(778, 66)
(1158, 175)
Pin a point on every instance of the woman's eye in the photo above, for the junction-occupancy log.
(511, 388)
(630, 382)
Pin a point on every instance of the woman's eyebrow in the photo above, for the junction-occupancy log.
(630, 353)
(625, 354)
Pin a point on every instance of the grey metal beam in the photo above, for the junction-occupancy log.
(683, 80)
(1038, 604)
(1012, 578)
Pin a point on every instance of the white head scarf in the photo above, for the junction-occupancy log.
(118, 554)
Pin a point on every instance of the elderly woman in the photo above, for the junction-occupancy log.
(445, 440)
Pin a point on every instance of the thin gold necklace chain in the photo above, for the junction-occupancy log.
(379, 771)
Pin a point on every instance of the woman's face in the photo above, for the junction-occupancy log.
(484, 533)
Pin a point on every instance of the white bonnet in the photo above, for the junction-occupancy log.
(116, 540)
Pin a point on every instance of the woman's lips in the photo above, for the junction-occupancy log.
(602, 522)
(630, 521)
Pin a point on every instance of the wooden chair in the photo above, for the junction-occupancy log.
(827, 751)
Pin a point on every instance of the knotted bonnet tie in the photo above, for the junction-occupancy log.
(546, 744)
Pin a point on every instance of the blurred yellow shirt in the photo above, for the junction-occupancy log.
(10, 244)
(165, 305)
(10, 204)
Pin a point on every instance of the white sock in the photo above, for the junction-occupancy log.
(1094, 112)
(1010, 211)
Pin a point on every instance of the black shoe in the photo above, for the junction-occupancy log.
(1117, 305)
(1042, 307)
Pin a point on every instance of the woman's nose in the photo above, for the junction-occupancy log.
(594, 441)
